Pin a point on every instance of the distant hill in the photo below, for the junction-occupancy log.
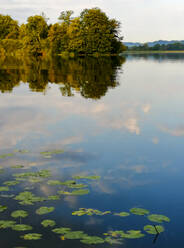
(153, 43)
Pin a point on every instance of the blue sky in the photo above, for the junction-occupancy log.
(142, 20)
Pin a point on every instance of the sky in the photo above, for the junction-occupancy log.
(142, 20)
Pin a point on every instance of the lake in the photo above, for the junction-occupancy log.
(80, 135)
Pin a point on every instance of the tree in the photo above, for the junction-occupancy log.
(9, 28)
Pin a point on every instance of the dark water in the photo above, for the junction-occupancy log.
(121, 119)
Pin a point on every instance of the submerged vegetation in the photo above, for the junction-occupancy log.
(90, 33)
(111, 237)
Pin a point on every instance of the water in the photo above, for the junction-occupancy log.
(121, 119)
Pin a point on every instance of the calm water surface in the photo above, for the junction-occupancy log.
(120, 119)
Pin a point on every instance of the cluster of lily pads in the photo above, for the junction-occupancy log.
(73, 188)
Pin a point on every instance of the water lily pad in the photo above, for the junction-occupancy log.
(21, 227)
(7, 196)
(89, 211)
(35, 180)
(122, 214)
(92, 240)
(4, 188)
(54, 182)
(11, 183)
(2, 208)
(61, 230)
(153, 229)
(158, 218)
(41, 173)
(80, 192)
(75, 235)
(77, 186)
(17, 166)
(87, 177)
(44, 210)
(132, 234)
(28, 198)
(32, 236)
(113, 241)
(19, 213)
(6, 224)
(6, 155)
(49, 154)
(53, 197)
(139, 211)
(48, 223)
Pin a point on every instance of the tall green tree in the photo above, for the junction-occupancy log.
(9, 28)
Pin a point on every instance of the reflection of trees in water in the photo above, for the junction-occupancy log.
(160, 57)
(90, 76)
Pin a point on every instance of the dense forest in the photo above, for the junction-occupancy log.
(169, 47)
(91, 33)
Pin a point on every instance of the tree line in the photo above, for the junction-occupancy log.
(168, 47)
(92, 32)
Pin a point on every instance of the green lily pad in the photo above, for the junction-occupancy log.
(53, 197)
(48, 223)
(75, 235)
(89, 211)
(41, 173)
(132, 234)
(4, 188)
(113, 241)
(77, 186)
(28, 198)
(122, 214)
(17, 166)
(1, 170)
(7, 196)
(32, 236)
(158, 218)
(80, 192)
(153, 229)
(87, 177)
(6, 155)
(21, 227)
(44, 210)
(92, 240)
(19, 213)
(54, 182)
(11, 183)
(6, 224)
(139, 211)
(2, 208)
(61, 230)
(35, 180)
(49, 154)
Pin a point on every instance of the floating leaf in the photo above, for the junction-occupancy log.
(75, 235)
(17, 166)
(153, 229)
(11, 183)
(44, 210)
(6, 224)
(122, 214)
(35, 180)
(48, 154)
(22, 227)
(4, 188)
(32, 236)
(80, 192)
(48, 223)
(61, 230)
(89, 211)
(113, 241)
(19, 213)
(53, 197)
(2, 208)
(41, 173)
(54, 182)
(139, 211)
(87, 177)
(6, 155)
(132, 234)
(28, 198)
(158, 218)
(77, 186)
(92, 240)
(7, 196)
